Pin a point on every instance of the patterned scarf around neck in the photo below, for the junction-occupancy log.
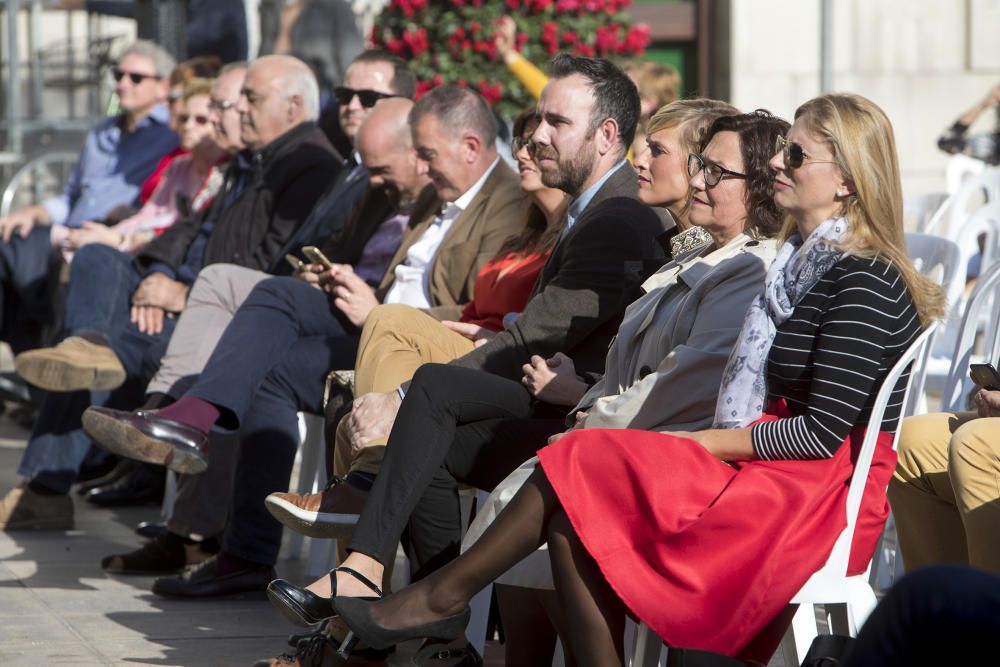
(796, 269)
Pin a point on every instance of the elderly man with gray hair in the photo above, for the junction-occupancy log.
(120, 312)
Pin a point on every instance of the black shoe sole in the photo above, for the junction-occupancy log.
(291, 609)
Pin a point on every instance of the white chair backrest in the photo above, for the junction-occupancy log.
(919, 209)
(939, 259)
(836, 565)
(985, 299)
(959, 169)
(973, 193)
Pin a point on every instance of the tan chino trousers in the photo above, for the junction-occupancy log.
(395, 342)
(945, 493)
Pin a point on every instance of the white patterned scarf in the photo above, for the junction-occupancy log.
(797, 267)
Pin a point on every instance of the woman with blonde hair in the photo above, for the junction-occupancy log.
(726, 524)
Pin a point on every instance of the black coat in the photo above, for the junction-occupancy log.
(579, 300)
(287, 178)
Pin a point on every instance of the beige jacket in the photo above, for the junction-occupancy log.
(665, 366)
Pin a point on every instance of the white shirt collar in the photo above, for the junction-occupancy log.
(463, 202)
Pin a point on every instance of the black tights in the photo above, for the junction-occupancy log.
(533, 517)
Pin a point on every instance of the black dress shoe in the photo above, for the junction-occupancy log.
(121, 469)
(143, 436)
(204, 581)
(144, 484)
(356, 614)
(151, 529)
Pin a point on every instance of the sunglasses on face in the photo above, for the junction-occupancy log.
(368, 98)
(713, 172)
(198, 119)
(135, 77)
(517, 143)
(216, 105)
(793, 155)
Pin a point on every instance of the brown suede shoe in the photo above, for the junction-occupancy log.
(73, 365)
(24, 509)
(331, 513)
(319, 649)
(162, 555)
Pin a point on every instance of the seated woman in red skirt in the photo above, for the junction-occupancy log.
(706, 536)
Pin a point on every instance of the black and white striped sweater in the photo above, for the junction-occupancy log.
(829, 358)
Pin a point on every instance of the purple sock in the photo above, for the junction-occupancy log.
(192, 412)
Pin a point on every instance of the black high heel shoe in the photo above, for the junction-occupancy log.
(303, 607)
(355, 614)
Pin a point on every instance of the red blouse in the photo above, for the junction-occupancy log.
(503, 286)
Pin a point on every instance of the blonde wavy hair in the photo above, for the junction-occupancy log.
(860, 137)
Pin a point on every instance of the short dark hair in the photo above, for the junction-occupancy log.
(460, 109)
(615, 96)
(404, 81)
(758, 132)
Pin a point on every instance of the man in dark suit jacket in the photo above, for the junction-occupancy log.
(588, 114)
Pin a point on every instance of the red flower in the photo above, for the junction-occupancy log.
(569, 37)
(475, 26)
(417, 41)
(396, 46)
(636, 39)
(567, 5)
(513, 5)
(492, 94)
(459, 32)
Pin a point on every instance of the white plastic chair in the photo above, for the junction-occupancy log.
(919, 209)
(959, 169)
(985, 299)
(941, 260)
(830, 585)
(974, 192)
(311, 478)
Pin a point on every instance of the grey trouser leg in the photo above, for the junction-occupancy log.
(215, 297)
(202, 505)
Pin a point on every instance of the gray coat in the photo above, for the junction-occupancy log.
(664, 369)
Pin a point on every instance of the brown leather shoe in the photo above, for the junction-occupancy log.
(144, 436)
(24, 509)
(73, 365)
(319, 649)
(331, 513)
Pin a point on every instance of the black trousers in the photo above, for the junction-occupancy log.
(455, 426)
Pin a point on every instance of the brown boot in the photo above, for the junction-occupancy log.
(73, 365)
(24, 509)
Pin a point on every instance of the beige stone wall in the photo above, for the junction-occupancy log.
(909, 56)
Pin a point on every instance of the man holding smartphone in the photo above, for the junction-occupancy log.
(455, 227)
(945, 493)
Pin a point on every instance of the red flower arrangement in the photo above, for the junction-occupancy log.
(452, 40)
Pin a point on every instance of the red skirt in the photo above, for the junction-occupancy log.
(707, 553)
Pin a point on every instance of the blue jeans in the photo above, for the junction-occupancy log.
(269, 364)
(102, 280)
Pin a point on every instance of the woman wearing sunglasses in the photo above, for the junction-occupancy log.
(185, 177)
(706, 535)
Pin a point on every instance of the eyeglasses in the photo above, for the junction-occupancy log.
(220, 106)
(517, 143)
(368, 98)
(713, 172)
(183, 118)
(793, 155)
(134, 77)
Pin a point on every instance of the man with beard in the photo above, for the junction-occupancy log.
(588, 114)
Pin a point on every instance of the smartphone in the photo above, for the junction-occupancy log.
(985, 375)
(316, 256)
(296, 263)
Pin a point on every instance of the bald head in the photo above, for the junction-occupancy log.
(386, 148)
(279, 92)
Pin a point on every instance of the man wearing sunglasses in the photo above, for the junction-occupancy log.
(121, 310)
(119, 153)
